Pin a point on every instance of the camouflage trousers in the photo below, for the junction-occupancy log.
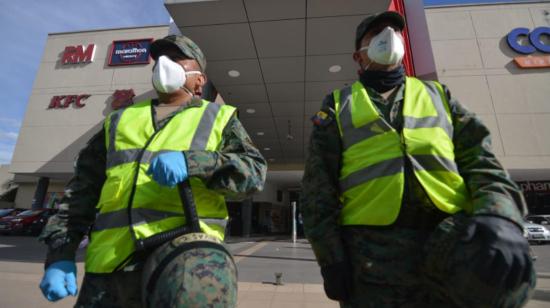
(386, 268)
(118, 289)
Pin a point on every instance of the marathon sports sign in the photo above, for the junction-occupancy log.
(64, 101)
(78, 54)
(532, 42)
(130, 52)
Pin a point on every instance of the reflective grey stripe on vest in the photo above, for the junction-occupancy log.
(353, 135)
(395, 165)
(131, 155)
(214, 221)
(440, 120)
(203, 131)
(115, 119)
(199, 141)
(383, 168)
(432, 163)
(140, 216)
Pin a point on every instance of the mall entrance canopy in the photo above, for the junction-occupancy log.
(276, 60)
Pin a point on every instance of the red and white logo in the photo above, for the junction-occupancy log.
(64, 101)
(78, 54)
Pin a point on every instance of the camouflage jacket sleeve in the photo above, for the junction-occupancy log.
(320, 203)
(237, 170)
(493, 191)
(66, 229)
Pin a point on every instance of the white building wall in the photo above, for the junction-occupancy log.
(472, 58)
(25, 194)
(50, 139)
(5, 177)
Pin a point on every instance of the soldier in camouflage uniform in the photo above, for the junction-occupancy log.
(236, 170)
(415, 259)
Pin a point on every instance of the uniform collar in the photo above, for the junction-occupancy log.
(399, 95)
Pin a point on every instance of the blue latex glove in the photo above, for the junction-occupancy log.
(168, 168)
(59, 280)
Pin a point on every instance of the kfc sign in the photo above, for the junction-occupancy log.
(78, 54)
(64, 101)
(130, 52)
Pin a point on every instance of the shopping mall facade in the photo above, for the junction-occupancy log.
(275, 61)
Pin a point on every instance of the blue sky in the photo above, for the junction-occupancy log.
(24, 25)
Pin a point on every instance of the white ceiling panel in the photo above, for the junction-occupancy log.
(271, 143)
(261, 10)
(243, 94)
(223, 42)
(268, 132)
(285, 92)
(279, 38)
(287, 109)
(249, 71)
(259, 110)
(332, 35)
(206, 12)
(259, 123)
(317, 68)
(287, 69)
(318, 90)
(320, 8)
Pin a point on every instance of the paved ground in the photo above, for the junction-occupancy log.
(21, 269)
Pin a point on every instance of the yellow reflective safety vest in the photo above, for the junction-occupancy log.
(372, 173)
(132, 206)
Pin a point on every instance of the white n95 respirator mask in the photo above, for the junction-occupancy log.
(386, 47)
(169, 76)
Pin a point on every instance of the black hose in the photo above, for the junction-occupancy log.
(189, 207)
(161, 238)
(191, 219)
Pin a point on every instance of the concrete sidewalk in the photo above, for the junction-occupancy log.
(21, 269)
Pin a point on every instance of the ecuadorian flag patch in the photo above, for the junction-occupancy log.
(321, 118)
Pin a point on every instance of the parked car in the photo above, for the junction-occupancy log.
(538, 219)
(536, 233)
(29, 221)
(10, 212)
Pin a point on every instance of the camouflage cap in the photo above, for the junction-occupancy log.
(372, 19)
(185, 45)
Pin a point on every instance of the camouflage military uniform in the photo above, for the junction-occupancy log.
(385, 261)
(235, 171)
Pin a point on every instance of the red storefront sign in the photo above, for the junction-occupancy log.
(78, 54)
(399, 6)
(532, 61)
(122, 98)
(64, 101)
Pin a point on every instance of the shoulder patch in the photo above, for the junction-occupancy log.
(321, 118)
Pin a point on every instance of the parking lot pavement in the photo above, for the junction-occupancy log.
(21, 269)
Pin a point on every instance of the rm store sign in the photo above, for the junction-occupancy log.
(538, 40)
